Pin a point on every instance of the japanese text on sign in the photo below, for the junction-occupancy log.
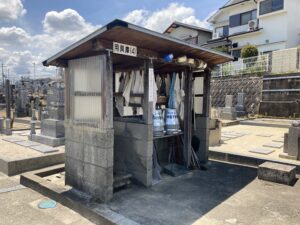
(124, 49)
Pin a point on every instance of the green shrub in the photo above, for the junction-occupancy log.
(249, 51)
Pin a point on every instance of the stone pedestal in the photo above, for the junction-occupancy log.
(240, 106)
(52, 129)
(292, 143)
(279, 173)
(215, 132)
(229, 112)
(7, 129)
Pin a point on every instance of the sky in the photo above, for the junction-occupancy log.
(33, 30)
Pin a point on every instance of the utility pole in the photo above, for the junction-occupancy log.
(2, 66)
(34, 70)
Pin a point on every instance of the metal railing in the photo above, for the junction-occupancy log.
(258, 65)
(277, 62)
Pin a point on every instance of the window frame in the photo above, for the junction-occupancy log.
(253, 16)
(273, 7)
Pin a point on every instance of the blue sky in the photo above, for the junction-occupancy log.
(32, 30)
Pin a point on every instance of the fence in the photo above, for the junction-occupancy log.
(277, 62)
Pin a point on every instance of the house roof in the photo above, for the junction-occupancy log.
(177, 24)
(146, 40)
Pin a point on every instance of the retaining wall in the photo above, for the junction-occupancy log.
(232, 85)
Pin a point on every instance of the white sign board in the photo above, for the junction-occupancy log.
(123, 49)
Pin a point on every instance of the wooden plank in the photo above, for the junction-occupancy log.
(147, 104)
(67, 93)
(188, 118)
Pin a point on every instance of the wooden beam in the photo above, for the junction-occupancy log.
(188, 117)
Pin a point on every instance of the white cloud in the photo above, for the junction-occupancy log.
(19, 49)
(67, 20)
(11, 9)
(13, 36)
(137, 16)
(161, 19)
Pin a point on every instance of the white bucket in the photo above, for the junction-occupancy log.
(172, 122)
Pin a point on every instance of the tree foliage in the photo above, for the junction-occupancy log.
(249, 51)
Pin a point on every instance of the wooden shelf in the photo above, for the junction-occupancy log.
(167, 136)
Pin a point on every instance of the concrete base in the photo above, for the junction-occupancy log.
(12, 167)
(278, 173)
(228, 115)
(287, 156)
(46, 140)
(214, 137)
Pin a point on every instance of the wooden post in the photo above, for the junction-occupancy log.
(148, 88)
(206, 93)
(107, 93)
(188, 117)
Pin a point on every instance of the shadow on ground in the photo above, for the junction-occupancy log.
(185, 199)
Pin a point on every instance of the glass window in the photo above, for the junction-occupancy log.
(225, 31)
(269, 6)
(277, 5)
(242, 19)
(245, 18)
(254, 15)
(235, 20)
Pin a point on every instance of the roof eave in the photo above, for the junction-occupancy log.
(121, 23)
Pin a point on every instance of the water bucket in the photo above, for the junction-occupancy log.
(158, 123)
(172, 122)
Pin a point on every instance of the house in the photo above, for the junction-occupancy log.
(268, 24)
(191, 34)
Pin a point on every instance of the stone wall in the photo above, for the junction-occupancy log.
(250, 85)
(133, 149)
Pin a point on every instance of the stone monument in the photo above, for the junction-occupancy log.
(292, 142)
(52, 129)
(228, 112)
(240, 106)
(21, 102)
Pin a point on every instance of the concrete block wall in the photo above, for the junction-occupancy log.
(133, 150)
(89, 160)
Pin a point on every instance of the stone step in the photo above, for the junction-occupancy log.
(121, 180)
(278, 173)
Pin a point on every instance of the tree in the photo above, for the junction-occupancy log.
(249, 51)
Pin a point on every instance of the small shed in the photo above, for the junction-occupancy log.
(108, 127)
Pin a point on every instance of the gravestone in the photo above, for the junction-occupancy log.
(52, 129)
(292, 142)
(240, 106)
(228, 112)
(21, 102)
